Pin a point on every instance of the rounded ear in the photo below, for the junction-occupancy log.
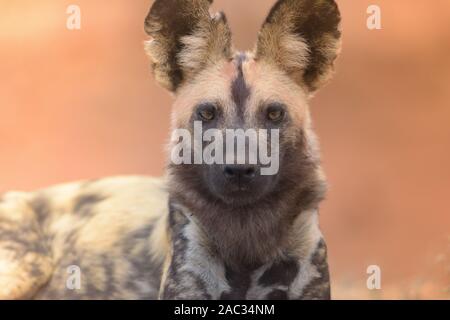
(302, 37)
(185, 39)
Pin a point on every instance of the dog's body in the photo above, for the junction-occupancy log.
(208, 231)
(115, 231)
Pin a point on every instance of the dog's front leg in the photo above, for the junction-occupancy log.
(25, 259)
(313, 280)
(192, 270)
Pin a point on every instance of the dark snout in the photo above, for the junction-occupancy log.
(238, 183)
(240, 174)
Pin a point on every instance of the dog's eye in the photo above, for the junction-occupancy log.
(206, 112)
(275, 112)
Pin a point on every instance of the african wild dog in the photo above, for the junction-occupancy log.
(227, 231)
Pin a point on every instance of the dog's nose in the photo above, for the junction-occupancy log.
(239, 172)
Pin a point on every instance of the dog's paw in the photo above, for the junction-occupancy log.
(21, 278)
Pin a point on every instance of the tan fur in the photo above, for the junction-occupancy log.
(210, 85)
(128, 204)
(17, 261)
(209, 44)
(269, 84)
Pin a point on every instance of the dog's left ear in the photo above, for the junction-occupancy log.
(185, 39)
(302, 37)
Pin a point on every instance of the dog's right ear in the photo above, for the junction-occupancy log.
(185, 39)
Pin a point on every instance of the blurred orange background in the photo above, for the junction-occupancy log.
(82, 104)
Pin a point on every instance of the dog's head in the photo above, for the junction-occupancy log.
(216, 88)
